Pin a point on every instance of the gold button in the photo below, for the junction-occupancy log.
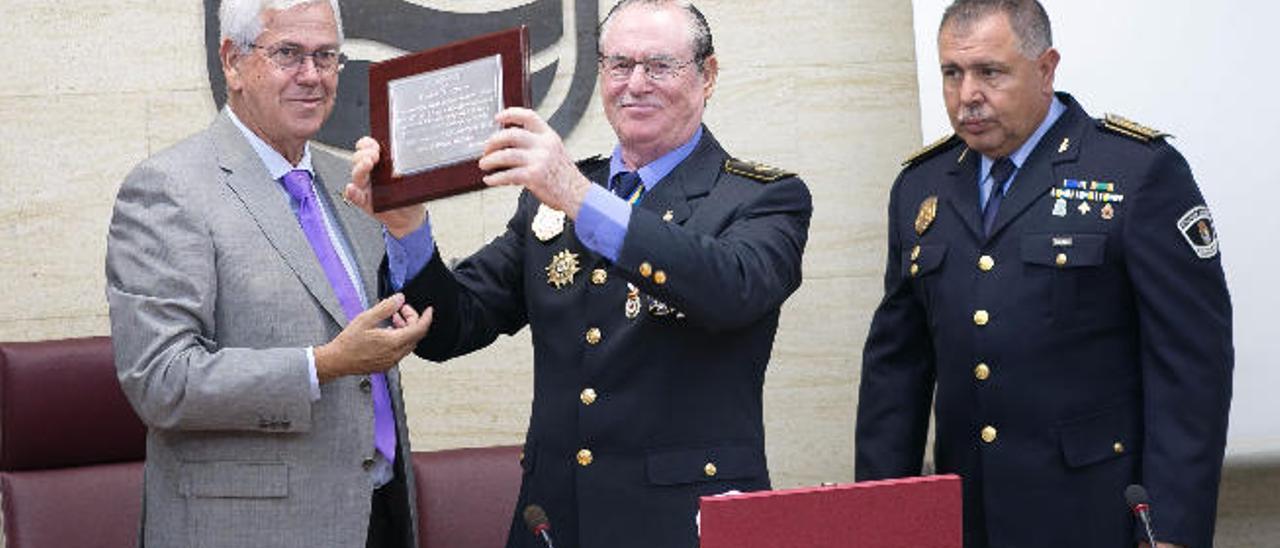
(915, 253)
(1118, 448)
(660, 277)
(585, 457)
(646, 269)
(915, 270)
(1061, 260)
(982, 372)
(599, 276)
(709, 469)
(588, 396)
(981, 318)
(986, 263)
(593, 336)
(989, 434)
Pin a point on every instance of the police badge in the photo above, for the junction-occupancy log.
(1196, 226)
(928, 212)
(547, 223)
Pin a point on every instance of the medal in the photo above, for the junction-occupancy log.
(548, 223)
(928, 212)
(562, 269)
(1084, 208)
(1108, 212)
(1060, 208)
(632, 308)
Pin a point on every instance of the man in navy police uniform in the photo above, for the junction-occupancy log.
(653, 300)
(1056, 280)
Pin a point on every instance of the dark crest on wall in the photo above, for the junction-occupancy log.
(410, 27)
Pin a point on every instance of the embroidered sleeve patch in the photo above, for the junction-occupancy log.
(1196, 225)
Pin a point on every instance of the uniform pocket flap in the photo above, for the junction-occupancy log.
(1095, 438)
(1064, 250)
(236, 479)
(684, 466)
(923, 259)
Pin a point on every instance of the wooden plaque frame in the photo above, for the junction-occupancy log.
(391, 191)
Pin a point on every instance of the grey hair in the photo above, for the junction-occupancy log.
(241, 20)
(1028, 19)
(699, 30)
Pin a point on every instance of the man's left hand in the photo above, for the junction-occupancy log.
(528, 153)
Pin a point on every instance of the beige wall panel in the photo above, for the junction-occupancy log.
(101, 46)
(62, 159)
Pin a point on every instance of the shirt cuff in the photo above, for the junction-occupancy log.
(315, 377)
(406, 257)
(602, 222)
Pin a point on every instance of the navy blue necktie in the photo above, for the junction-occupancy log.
(1000, 173)
(625, 184)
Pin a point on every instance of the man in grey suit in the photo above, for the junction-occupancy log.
(238, 288)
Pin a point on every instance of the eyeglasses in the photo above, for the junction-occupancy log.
(291, 57)
(657, 69)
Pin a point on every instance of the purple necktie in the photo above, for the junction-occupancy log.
(1000, 173)
(298, 184)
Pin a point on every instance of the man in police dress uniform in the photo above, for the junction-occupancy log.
(653, 300)
(1073, 317)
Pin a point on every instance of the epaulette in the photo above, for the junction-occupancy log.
(1131, 129)
(931, 149)
(755, 170)
(590, 161)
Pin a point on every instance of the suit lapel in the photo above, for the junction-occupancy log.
(263, 199)
(687, 181)
(964, 189)
(1036, 178)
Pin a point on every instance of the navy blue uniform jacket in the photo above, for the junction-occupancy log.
(667, 405)
(1105, 354)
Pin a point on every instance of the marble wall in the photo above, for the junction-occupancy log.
(826, 89)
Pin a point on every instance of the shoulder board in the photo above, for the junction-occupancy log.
(755, 170)
(931, 149)
(591, 161)
(1131, 129)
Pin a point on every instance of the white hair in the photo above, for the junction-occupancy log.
(241, 20)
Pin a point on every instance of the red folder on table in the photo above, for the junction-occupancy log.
(909, 512)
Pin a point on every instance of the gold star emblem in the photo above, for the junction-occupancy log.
(563, 267)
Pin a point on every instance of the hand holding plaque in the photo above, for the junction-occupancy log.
(432, 111)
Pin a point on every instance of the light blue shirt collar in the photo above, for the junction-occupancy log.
(1019, 157)
(654, 171)
(276, 165)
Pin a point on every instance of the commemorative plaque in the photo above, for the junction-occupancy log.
(432, 111)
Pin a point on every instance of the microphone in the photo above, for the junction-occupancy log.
(535, 518)
(1136, 496)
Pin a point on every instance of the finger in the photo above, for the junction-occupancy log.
(408, 314)
(379, 312)
(515, 176)
(412, 333)
(511, 137)
(523, 117)
(503, 159)
(397, 320)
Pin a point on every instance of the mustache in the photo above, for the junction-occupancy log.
(630, 100)
(975, 113)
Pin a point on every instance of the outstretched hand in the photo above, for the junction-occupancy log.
(367, 345)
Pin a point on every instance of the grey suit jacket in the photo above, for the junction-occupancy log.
(214, 294)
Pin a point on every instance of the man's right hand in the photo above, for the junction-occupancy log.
(367, 345)
(399, 222)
